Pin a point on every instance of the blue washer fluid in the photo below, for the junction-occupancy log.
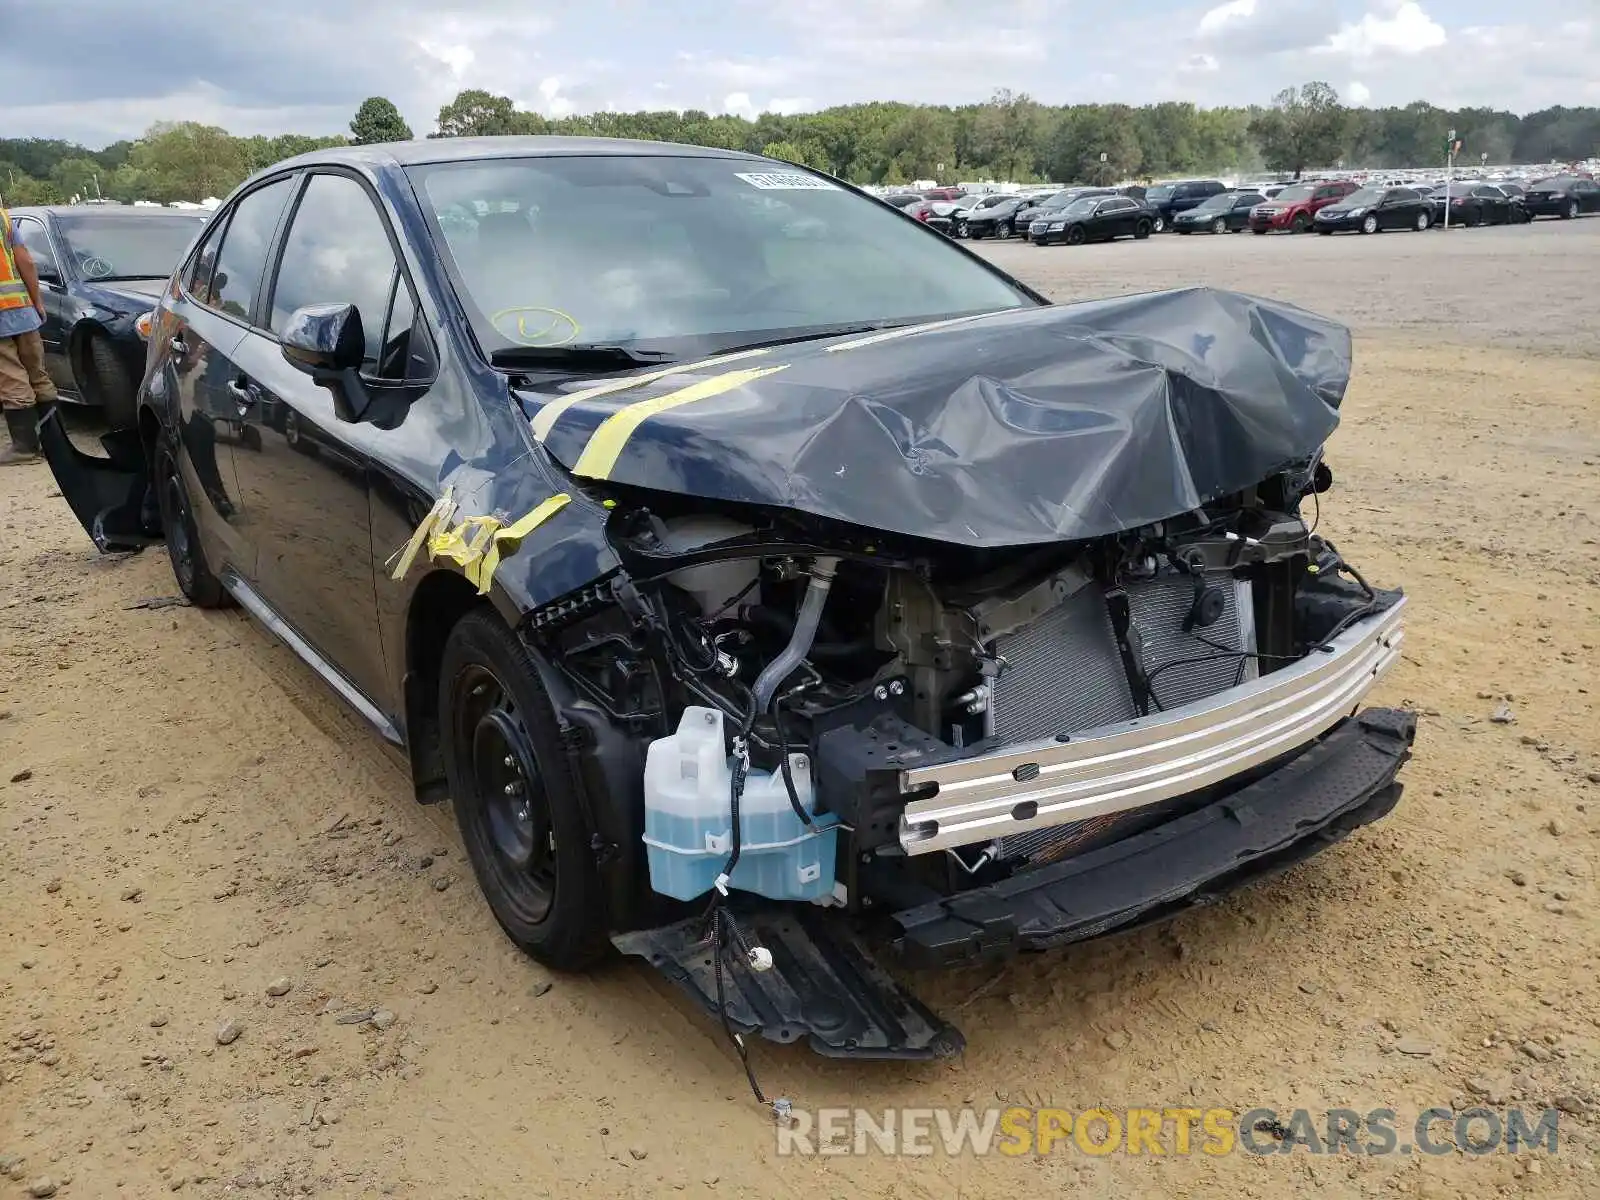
(688, 820)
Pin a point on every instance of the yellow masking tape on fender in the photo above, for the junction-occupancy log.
(507, 540)
(605, 446)
(476, 543)
(544, 420)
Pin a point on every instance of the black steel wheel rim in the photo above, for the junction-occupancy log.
(175, 518)
(509, 809)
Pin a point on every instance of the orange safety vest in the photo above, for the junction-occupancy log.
(13, 292)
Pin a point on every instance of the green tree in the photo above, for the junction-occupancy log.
(1305, 127)
(378, 120)
(477, 113)
(189, 161)
(1003, 132)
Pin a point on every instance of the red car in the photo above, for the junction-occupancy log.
(944, 193)
(1295, 206)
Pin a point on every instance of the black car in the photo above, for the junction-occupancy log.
(1167, 200)
(1564, 196)
(968, 206)
(101, 268)
(1227, 212)
(1472, 204)
(1374, 209)
(1093, 219)
(719, 562)
(995, 217)
(1033, 210)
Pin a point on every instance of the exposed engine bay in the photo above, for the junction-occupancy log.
(835, 664)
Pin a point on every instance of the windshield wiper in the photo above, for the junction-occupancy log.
(816, 335)
(579, 354)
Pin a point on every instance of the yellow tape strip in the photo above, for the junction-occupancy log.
(605, 446)
(544, 420)
(509, 539)
(476, 544)
(408, 552)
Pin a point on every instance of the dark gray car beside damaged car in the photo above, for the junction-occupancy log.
(769, 583)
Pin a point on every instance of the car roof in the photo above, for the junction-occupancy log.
(442, 150)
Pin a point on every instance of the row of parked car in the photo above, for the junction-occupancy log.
(1085, 214)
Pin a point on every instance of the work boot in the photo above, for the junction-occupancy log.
(23, 425)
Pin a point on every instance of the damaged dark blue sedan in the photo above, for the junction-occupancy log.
(772, 586)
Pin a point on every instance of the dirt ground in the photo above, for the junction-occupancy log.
(192, 818)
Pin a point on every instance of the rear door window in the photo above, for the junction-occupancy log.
(242, 259)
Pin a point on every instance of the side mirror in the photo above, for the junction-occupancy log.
(327, 342)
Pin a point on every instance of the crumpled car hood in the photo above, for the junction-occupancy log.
(1034, 425)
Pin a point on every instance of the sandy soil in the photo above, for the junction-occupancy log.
(192, 819)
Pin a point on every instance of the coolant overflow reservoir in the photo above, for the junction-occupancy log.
(688, 820)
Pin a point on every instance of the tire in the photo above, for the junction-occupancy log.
(1141, 231)
(1423, 222)
(1219, 226)
(1258, 232)
(112, 384)
(1300, 224)
(1159, 225)
(529, 848)
(1574, 210)
(1003, 230)
(1075, 235)
(961, 229)
(1325, 232)
(196, 580)
(1369, 224)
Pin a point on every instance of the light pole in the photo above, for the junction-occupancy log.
(1449, 173)
(1104, 158)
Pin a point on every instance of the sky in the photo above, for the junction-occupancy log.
(94, 71)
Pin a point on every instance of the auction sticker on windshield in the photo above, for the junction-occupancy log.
(785, 181)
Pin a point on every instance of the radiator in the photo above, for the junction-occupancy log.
(1065, 675)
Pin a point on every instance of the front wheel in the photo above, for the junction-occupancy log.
(114, 385)
(1370, 224)
(1141, 231)
(1574, 209)
(1075, 236)
(196, 580)
(1423, 222)
(1300, 224)
(1003, 230)
(516, 801)
(1325, 232)
(1219, 226)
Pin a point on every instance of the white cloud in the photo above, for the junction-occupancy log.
(738, 104)
(1216, 20)
(1357, 93)
(1398, 28)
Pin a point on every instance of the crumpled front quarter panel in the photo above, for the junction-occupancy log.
(1028, 426)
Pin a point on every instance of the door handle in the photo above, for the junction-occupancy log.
(244, 395)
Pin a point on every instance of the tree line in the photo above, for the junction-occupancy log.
(1009, 137)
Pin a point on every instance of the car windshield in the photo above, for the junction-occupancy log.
(622, 250)
(1294, 195)
(1221, 202)
(1365, 198)
(113, 245)
(1081, 206)
(1159, 193)
(1560, 183)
